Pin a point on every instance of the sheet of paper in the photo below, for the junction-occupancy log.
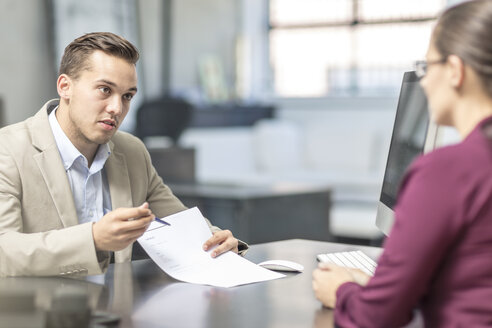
(177, 249)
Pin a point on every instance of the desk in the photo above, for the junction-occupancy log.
(140, 287)
(259, 214)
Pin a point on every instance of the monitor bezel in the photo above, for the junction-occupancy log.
(384, 213)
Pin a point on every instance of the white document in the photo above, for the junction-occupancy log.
(178, 250)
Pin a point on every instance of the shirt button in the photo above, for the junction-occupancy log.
(91, 213)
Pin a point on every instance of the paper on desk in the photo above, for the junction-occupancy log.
(178, 250)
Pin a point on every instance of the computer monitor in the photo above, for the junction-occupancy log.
(412, 135)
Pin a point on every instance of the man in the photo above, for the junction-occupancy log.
(72, 188)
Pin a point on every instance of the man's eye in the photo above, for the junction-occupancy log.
(105, 90)
(128, 96)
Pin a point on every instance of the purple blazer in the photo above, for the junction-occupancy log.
(438, 256)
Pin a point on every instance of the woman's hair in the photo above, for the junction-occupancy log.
(76, 54)
(465, 30)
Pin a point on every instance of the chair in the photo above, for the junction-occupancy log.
(165, 116)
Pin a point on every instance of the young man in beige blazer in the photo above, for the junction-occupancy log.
(73, 189)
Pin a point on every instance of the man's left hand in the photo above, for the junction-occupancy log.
(225, 241)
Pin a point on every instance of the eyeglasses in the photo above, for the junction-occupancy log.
(422, 65)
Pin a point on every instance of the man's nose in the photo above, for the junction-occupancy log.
(115, 106)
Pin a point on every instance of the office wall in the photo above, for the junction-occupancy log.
(27, 78)
(233, 31)
(151, 34)
(253, 72)
(200, 28)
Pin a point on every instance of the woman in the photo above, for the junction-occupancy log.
(438, 256)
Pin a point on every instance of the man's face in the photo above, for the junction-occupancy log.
(97, 101)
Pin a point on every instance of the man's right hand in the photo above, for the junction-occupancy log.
(121, 227)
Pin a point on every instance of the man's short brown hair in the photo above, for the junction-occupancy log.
(75, 56)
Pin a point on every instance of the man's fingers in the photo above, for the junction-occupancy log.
(224, 239)
(131, 236)
(142, 222)
(214, 240)
(131, 213)
(224, 247)
(134, 235)
(122, 221)
(122, 226)
(217, 238)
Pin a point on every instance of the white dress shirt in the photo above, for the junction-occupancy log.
(90, 188)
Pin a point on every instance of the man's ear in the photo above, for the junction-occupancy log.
(64, 86)
(457, 71)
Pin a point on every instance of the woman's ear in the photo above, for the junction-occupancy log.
(63, 86)
(456, 70)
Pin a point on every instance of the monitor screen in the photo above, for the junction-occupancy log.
(410, 133)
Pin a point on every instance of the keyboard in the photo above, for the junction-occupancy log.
(352, 259)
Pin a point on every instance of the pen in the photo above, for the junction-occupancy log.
(162, 221)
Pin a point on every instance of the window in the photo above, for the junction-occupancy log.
(332, 47)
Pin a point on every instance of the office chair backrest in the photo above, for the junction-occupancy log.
(163, 117)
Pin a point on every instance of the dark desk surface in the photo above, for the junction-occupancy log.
(144, 296)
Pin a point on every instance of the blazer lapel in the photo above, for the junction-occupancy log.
(120, 190)
(50, 165)
(118, 180)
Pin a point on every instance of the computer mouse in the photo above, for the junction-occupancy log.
(282, 265)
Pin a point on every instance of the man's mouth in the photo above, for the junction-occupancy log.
(109, 123)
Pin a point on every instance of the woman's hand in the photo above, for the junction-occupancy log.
(326, 280)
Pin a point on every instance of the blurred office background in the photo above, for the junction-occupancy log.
(281, 93)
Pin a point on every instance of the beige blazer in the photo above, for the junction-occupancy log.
(39, 230)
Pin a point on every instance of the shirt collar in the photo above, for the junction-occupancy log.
(69, 154)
